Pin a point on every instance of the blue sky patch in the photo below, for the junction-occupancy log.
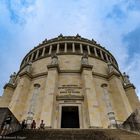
(116, 13)
(132, 40)
(133, 5)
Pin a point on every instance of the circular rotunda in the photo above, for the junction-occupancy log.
(70, 82)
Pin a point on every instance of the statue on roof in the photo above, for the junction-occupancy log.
(94, 42)
(45, 41)
(12, 78)
(78, 36)
(84, 59)
(111, 68)
(60, 36)
(28, 67)
(126, 79)
(54, 59)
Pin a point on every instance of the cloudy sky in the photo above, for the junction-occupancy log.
(114, 24)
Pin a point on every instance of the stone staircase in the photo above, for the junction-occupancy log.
(74, 134)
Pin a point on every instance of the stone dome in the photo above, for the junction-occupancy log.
(70, 82)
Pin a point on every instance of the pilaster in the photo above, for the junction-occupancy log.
(50, 95)
(19, 98)
(93, 115)
(120, 100)
(132, 97)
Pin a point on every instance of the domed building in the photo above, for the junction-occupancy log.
(70, 82)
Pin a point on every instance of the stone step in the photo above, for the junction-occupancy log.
(75, 134)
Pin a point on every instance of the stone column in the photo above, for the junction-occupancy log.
(88, 50)
(110, 59)
(120, 101)
(65, 50)
(57, 51)
(106, 57)
(95, 52)
(50, 51)
(43, 52)
(93, 115)
(73, 47)
(37, 54)
(32, 56)
(49, 96)
(101, 54)
(110, 112)
(81, 49)
(28, 59)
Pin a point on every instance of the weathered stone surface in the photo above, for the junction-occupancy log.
(76, 134)
(132, 123)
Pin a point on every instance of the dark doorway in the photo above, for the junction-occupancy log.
(70, 117)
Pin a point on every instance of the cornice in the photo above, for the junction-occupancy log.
(99, 75)
(27, 74)
(112, 74)
(127, 87)
(53, 66)
(68, 53)
(64, 39)
(86, 67)
(8, 85)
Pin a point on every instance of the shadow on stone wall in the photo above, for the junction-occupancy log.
(14, 126)
(133, 121)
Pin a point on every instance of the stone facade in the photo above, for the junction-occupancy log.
(70, 71)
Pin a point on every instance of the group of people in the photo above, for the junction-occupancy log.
(6, 125)
(32, 125)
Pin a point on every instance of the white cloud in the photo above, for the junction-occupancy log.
(48, 18)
